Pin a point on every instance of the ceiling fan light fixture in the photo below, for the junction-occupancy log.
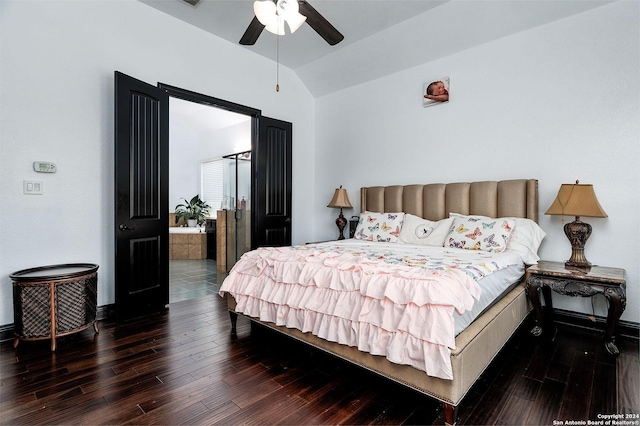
(287, 7)
(289, 11)
(295, 22)
(275, 25)
(267, 14)
(273, 15)
(264, 10)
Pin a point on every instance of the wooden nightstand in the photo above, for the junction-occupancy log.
(611, 282)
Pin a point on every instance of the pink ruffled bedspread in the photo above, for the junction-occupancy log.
(399, 311)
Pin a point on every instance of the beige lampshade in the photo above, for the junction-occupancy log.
(340, 199)
(576, 200)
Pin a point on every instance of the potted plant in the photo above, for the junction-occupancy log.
(194, 211)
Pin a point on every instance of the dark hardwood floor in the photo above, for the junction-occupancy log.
(183, 367)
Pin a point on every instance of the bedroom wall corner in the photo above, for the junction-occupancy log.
(558, 103)
(57, 62)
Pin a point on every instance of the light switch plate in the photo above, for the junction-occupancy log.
(32, 187)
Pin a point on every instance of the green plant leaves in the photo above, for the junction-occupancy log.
(196, 209)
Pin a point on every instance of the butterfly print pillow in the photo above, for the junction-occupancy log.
(382, 227)
(480, 233)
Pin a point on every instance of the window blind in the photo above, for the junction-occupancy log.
(212, 183)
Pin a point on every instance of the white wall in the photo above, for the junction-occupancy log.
(226, 141)
(57, 60)
(191, 144)
(184, 161)
(556, 103)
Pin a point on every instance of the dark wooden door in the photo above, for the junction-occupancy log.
(272, 166)
(141, 198)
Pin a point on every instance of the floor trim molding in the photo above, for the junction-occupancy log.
(626, 329)
(103, 312)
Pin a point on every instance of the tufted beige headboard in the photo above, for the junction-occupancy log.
(505, 198)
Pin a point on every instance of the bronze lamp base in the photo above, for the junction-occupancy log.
(341, 221)
(578, 233)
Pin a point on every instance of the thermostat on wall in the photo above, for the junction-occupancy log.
(44, 167)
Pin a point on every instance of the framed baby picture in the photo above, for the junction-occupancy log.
(435, 92)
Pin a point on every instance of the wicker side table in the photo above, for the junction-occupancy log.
(53, 301)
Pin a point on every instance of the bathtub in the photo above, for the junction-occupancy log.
(187, 243)
(185, 230)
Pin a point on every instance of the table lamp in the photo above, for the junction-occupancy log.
(577, 200)
(340, 200)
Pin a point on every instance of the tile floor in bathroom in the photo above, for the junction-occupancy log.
(189, 279)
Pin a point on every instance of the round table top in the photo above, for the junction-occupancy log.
(54, 272)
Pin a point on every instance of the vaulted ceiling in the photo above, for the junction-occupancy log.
(380, 36)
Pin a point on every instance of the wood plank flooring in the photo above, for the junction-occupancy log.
(183, 367)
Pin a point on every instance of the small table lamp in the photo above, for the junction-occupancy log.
(340, 200)
(577, 200)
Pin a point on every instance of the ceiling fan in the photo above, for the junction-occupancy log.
(271, 14)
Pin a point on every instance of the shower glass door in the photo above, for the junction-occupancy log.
(237, 189)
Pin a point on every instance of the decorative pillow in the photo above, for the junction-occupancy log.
(419, 231)
(480, 233)
(384, 227)
(525, 239)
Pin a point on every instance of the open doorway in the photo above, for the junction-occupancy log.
(201, 139)
(141, 186)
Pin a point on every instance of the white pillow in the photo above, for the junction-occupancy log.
(383, 227)
(419, 231)
(525, 239)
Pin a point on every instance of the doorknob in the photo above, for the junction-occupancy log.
(124, 227)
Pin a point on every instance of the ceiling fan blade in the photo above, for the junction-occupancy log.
(252, 33)
(319, 24)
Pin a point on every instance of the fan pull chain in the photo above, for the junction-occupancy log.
(278, 62)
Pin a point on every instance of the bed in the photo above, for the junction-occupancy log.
(453, 359)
